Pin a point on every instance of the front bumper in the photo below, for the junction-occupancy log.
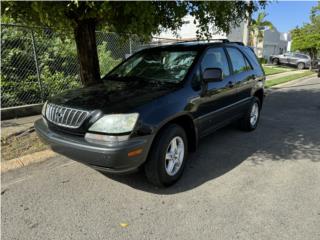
(111, 158)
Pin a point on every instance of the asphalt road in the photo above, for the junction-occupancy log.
(259, 185)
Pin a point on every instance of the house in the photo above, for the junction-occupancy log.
(273, 41)
(188, 31)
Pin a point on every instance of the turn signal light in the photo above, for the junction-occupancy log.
(135, 152)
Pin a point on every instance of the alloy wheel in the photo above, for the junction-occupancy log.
(254, 114)
(174, 156)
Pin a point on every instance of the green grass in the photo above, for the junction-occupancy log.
(269, 70)
(289, 78)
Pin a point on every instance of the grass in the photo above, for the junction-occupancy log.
(289, 78)
(14, 147)
(270, 70)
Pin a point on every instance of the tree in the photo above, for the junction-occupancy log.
(140, 18)
(307, 38)
(257, 26)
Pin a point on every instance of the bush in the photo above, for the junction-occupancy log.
(262, 60)
(57, 59)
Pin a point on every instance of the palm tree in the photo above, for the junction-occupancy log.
(257, 26)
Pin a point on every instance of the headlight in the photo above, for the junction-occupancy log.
(44, 108)
(115, 123)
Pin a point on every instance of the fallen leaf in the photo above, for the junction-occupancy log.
(124, 225)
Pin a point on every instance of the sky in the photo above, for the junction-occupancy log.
(286, 15)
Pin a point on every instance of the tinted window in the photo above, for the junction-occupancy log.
(237, 59)
(249, 67)
(301, 56)
(216, 58)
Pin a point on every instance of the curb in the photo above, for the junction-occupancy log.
(21, 111)
(26, 160)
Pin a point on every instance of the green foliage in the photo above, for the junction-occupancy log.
(257, 26)
(262, 60)
(58, 65)
(142, 18)
(106, 61)
(307, 38)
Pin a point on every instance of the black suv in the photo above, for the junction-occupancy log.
(151, 110)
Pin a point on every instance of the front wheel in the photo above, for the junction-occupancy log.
(167, 156)
(300, 66)
(250, 120)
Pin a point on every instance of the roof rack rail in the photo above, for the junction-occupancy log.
(224, 40)
(239, 43)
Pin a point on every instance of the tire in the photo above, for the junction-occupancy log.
(158, 164)
(247, 123)
(301, 66)
(275, 61)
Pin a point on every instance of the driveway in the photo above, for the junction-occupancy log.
(259, 185)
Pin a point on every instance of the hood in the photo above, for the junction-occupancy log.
(112, 96)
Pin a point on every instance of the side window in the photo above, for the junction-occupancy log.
(249, 67)
(216, 58)
(237, 60)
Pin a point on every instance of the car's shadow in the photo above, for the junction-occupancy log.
(289, 130)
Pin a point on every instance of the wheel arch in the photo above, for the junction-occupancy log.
(259, 93)
(187, 123)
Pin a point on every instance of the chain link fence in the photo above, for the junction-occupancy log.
(37, 62)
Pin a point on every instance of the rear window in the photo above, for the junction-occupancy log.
(237, 60)
(252, 56)
(301, 56)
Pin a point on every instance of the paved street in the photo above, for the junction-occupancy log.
(259, 185)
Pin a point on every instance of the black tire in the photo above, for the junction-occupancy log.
(155, 166)
(245, 123)
(275, 61)
(301, 66)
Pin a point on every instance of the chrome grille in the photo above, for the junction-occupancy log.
(64, 116)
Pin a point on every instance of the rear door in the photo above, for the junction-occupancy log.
(294, 59)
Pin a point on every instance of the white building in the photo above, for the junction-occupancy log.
(273, 41)
(188, 31)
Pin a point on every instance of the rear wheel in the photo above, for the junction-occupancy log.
(167, 156)
(300, 66)
(250, 120)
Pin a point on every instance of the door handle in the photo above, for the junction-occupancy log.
(230, 84)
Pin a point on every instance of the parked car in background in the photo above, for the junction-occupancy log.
(151, 110)
(301, 61)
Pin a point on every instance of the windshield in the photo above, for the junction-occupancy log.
(155, 65)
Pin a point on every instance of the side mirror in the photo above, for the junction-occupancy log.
(212, 75)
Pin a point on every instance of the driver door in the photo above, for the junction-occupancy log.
(213, 105)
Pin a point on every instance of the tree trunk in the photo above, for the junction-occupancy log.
(85, 37)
